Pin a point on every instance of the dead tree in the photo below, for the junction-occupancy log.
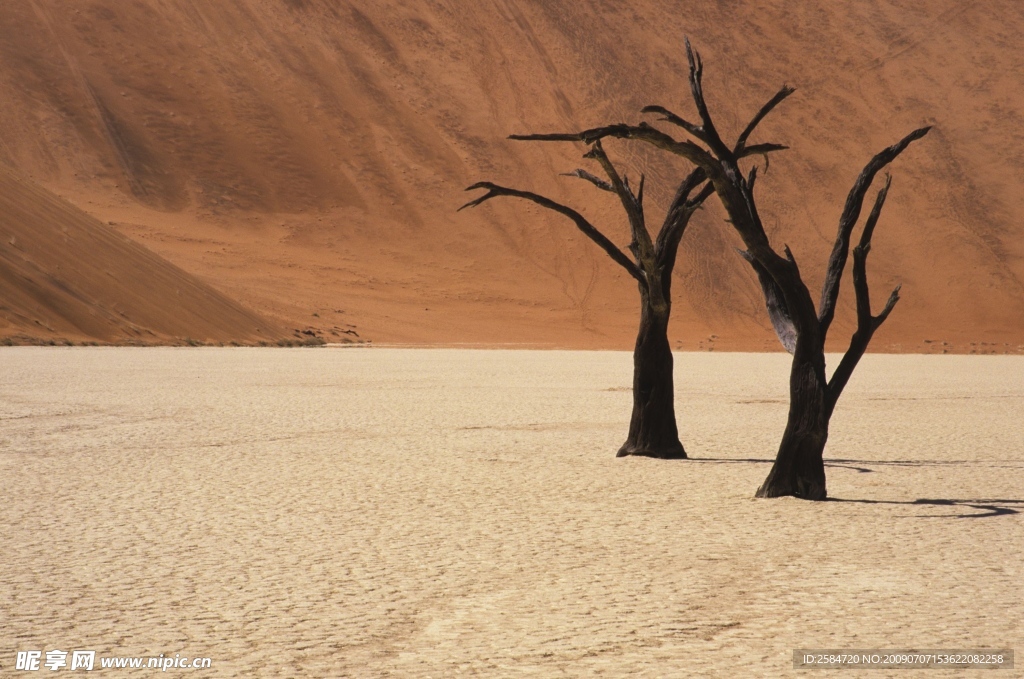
(652, 428)
(801, 328)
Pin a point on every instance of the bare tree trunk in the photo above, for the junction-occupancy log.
(652, 428)
(799, 469)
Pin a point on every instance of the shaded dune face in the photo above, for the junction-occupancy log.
(325, 145)
(67, 277)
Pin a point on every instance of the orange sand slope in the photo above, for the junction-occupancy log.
(307, 156)
(67, 277)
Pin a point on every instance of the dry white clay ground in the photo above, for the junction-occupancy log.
(437, 513)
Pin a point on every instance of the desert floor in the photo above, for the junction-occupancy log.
(436, 513)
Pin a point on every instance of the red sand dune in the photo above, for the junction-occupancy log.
(306, 156)
(67, 277)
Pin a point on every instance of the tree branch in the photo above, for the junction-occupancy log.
(775, 302)
(765, 110)
(760, 149)
(596, 181)
(779, 312)
(787, 299)
(652, 135)
(678, 217)
(630, 203)
(866, 323)
(676, 221)
(588, 229)
(620, 130)
(894, 297)
(668, 116)
(740, 149)
(709, 168)
(707, 128)
(876, 211)
(851, 212)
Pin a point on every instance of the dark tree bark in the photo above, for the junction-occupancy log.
(652, 427)
(801, 328)
(799, 468)
(653, 431)
(799, 465)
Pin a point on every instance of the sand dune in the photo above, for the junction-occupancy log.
(390, 513)
(68, 278)
(307, 156)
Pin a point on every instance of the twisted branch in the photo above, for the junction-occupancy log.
(588, 229)
(765, 110)
(631, 203)
(866, 323)
(851, 212)
(595, 180)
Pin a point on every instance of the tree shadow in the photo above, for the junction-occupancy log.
(986, 507)
(864, 466)
(845, 464)
(992, 464)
